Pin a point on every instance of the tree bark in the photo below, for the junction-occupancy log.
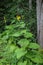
(39, 22)
(30, 4)
(41, 27)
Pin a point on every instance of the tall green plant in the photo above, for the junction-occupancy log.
(17, 46)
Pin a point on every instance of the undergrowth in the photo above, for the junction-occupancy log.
(18, 46)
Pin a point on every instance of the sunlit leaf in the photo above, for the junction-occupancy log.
(34, 46)
(20, 53)
(28, 35)
(23, 42)
(22, 63)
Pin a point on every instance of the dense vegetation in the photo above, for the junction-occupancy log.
(18, 36)
(12, 8)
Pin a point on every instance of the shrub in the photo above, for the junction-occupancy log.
(17, 46)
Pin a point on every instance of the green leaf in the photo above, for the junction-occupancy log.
(0, 63)
(34, 46)
(37, 59)
(34, 56)
(17, 34)
(20, 53)
(13, 21)
(23, 42)
(22, 63)
(22, 24)
(23, 31)
(30, 63)
(28, 35)
(5, 37)
(10, 27)
(12, 48)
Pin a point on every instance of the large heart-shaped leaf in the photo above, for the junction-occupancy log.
(11, 48)
(20, 53)
(28, 35)
(34, 56)
(23, 42)
(37, 59)
(17, 34)
(34, 46)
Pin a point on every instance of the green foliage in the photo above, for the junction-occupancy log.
(17, 46)
(20, 53)
(23, 42)
(22, 63)
(17, 43)
(34, 46)
(12, 8)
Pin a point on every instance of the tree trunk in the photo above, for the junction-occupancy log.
(41, 27)
(40, 22)
(30, 4)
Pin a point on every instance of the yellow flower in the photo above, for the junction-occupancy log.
(18, 17)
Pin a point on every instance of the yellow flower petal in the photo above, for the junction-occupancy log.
(18, 17)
